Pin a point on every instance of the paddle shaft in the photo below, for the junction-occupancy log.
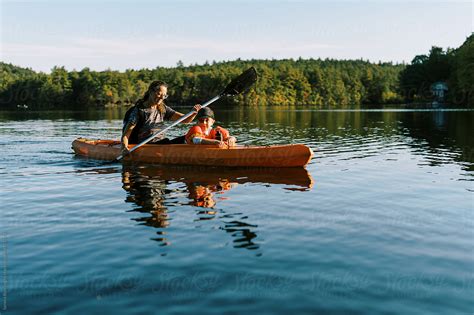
(162, 131)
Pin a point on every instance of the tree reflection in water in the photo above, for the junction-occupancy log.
(153, 190)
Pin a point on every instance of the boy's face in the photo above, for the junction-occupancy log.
(207, 122)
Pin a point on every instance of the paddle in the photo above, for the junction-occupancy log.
(237, 86)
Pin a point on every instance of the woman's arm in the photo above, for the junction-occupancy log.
(178, 115)
(125, 137)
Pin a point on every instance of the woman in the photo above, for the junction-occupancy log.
(147, 115)
(203, 133)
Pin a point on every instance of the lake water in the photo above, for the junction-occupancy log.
(380, 221)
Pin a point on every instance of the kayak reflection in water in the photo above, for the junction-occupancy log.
(203, 133)
(148, 195)
(158, 193)
(154, 191)
(203, 195)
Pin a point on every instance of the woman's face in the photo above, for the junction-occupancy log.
(161, 93)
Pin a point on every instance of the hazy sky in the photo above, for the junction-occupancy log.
(144, 34)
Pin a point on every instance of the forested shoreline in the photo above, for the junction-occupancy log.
(318, 83)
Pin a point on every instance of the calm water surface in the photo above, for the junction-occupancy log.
(380, 221)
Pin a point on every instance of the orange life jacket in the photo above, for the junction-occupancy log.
(215, 133)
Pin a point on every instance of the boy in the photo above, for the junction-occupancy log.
(203, 133)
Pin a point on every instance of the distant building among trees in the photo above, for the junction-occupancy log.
(428, 77)
(439, 90)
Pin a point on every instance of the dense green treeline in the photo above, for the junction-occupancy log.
(461, 78)
(314, 82)
(455, 67)
(284, 82)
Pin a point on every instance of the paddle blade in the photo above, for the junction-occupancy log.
(242, 83)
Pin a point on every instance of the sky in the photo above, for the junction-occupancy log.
(120, 35)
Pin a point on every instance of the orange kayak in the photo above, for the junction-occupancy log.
(292, 155)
